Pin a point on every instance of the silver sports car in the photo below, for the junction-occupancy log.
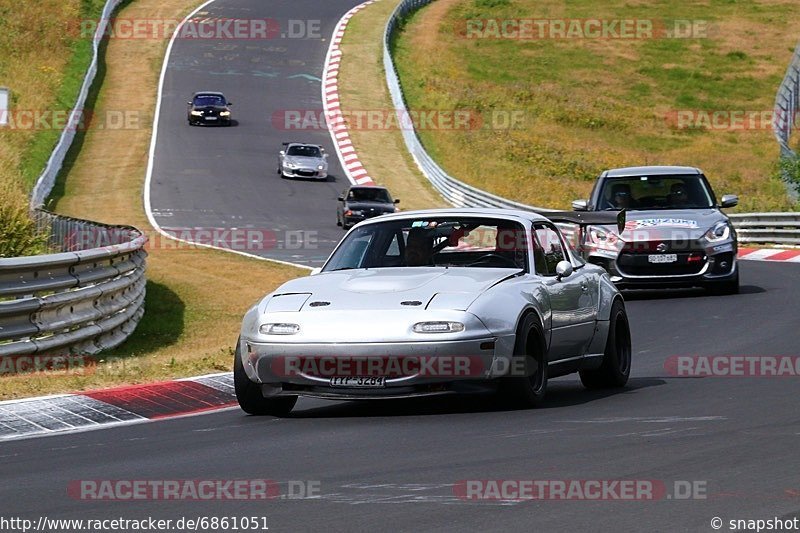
(435, 302)
(298, 160)
(676, 234)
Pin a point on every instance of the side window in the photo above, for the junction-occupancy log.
(548, 250)
(394, 246)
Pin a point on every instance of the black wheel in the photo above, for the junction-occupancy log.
(528, 384)
(338, 220)
(724, 287)
(616, 366)
(249, 396)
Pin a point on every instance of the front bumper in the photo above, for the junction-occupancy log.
(307, 173)
(211, 120)
(355, 219)
(696, 267)
(409, 368)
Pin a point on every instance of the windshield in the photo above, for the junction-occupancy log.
(369, 194)
(435, 241)
(208, 99)
(304, 151)
(655, 192)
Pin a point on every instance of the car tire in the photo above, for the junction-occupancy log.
(724, 287)
(528, 390)
(615, 369)
(249, 396)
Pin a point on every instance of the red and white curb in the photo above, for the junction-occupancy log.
(770, 254)
(67, 413)
(353, 168)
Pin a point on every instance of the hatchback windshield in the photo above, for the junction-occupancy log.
(655, 192)
(435, 241)
(369, 194)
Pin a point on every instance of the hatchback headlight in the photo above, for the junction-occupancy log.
(224, 113)
(197, 113)
(438, 327)
(720, 232)
(601, 238)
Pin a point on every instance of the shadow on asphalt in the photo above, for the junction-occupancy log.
(671, 294)
(559, 394)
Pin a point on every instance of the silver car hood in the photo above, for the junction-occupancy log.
(401, 289)
(305, 161)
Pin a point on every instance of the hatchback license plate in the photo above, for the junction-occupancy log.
(359, 382)
(662, 258)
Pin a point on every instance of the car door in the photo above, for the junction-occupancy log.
(571, 300)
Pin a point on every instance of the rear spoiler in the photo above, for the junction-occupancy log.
(585, 218)
(303, 144)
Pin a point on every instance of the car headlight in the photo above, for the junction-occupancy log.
(290, 165)
(601, 238)
(197, 113)
(438, 327)
(224, 113)
(321, 167)
(279, 329)
(720, 232)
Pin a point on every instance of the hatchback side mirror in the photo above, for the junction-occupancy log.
(397, 200)
(729, 200)
(580, 205)
(563, 270)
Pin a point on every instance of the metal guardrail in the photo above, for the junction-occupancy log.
(85, 299)
(778, 228)
(44, 185)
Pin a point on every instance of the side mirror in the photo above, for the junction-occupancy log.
(325, 155)
(315, 271)
(230, 103)
(188, 103)
(397, 200)
(580, 205)
(282, 152)
(341, 198)
(563, 270)
(729, 200)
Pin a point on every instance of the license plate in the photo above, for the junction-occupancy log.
(662, 258)
(211, 118)
(359, 382)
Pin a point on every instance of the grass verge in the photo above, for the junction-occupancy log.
(195, 297)
(591, 104)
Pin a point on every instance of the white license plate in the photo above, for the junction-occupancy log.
(662, 258)
(211, 118)
(359, 382)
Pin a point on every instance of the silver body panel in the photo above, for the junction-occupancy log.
(371, 313)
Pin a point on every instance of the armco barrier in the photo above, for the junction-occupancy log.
(47, 179)
(87, 298)
(778, 228)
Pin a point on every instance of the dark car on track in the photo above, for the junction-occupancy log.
(676, 234)
(360, 202)
(209, 107)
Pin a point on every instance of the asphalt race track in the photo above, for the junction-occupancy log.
(395, 465)
(216, 177)
(391, 465)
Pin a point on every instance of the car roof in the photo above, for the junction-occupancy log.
(350, 188)
(301, 144)
(208, 93)
(517, 215)
(659, 170)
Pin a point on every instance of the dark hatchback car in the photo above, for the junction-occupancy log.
(360, 202)
(209, 108)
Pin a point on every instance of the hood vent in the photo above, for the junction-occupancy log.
(319, 304)
(411, 302)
